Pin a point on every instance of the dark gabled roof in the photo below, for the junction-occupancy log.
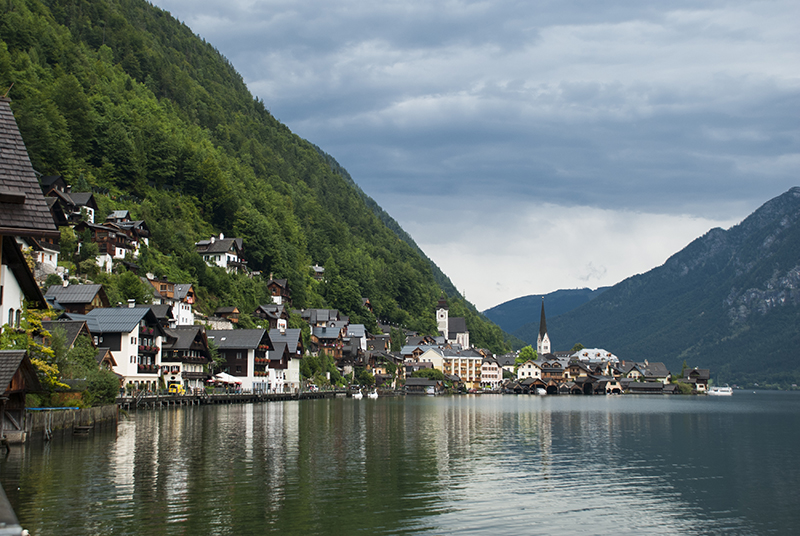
(72, 328)
(115, 319)
(102, 352)
(83, 199)
(290, 336)
(75, 293)
(182, 337)
(161, 311)
(10, 362)
(236, 338)
(220, 245)
(181, 290)
(23, 210)
(13, 258)
(226, 310)
(697, 373)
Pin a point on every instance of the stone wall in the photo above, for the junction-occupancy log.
(37, 422)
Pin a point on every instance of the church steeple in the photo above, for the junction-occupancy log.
(543, 341)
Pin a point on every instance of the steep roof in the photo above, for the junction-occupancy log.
(542, 322)
(290, 336)
(219, 245)
(10, 362)
(236, 338)
(13, 258)
(182, 337)
(72, 328)
(115, 319)
(23, 210)
(74, 293)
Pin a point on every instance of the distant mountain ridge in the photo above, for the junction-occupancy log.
(520, 316)
(729, 301)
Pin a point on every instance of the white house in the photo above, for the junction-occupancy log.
(529, 369)
(135, 337)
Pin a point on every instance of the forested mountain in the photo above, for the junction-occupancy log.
(118, 96)
(729, 301)
(520, 316)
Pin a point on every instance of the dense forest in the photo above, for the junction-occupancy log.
(119, 97)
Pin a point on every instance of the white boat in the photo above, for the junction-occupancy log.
(358, 395)
(540, 391)
(373, 394)
(720, 391)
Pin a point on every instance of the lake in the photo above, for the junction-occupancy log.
(425, 465)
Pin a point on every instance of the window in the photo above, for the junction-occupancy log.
(18, 318)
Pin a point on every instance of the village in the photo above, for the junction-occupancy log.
(166, 345)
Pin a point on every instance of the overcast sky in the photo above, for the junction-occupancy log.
(533, 146)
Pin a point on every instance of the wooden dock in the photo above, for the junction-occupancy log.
(156, 401)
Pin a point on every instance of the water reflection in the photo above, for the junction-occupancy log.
(533, 465)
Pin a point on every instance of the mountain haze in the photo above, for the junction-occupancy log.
(729, 301)
(520, 316)
(119, 97)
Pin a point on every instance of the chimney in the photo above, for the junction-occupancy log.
(221, 236)
(66, 283)
(213, 239)
(131, 303)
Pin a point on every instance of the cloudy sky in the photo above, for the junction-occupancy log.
(532, 146)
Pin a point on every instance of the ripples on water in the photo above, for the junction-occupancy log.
(469, 465)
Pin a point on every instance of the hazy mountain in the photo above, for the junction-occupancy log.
(729, 301)
(520, 316)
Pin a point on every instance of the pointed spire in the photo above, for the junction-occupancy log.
(542, 323)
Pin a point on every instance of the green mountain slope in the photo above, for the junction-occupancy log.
(730, 301)
(119, 96)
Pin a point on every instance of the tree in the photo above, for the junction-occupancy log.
(577, 348)
(397, 338)
(429, 373)
(526, 354)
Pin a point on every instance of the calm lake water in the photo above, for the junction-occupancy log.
(423, 465)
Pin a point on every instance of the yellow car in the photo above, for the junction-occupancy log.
(176, 389)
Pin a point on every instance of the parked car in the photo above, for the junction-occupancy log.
(176, 389)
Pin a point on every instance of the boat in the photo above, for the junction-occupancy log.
(541, 391)
(358, 395)
(720, 391)
(373, 394)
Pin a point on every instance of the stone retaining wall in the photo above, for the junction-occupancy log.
(68, 419)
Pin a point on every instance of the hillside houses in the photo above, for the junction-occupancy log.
(226, 253)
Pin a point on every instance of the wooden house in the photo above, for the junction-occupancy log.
(18, 377)
(77, 298)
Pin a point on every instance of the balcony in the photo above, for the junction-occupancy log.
(147, 369)
(147, 349)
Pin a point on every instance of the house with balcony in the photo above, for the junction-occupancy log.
(76, 206)
(185, 357)
(286, 373)
(466, 364)
(179, 296)
(279, 290)
(276, 315)
(246, 355)
(491, 373)
(112, 241)
(227, 253)
(529, 369)
(135, 337)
